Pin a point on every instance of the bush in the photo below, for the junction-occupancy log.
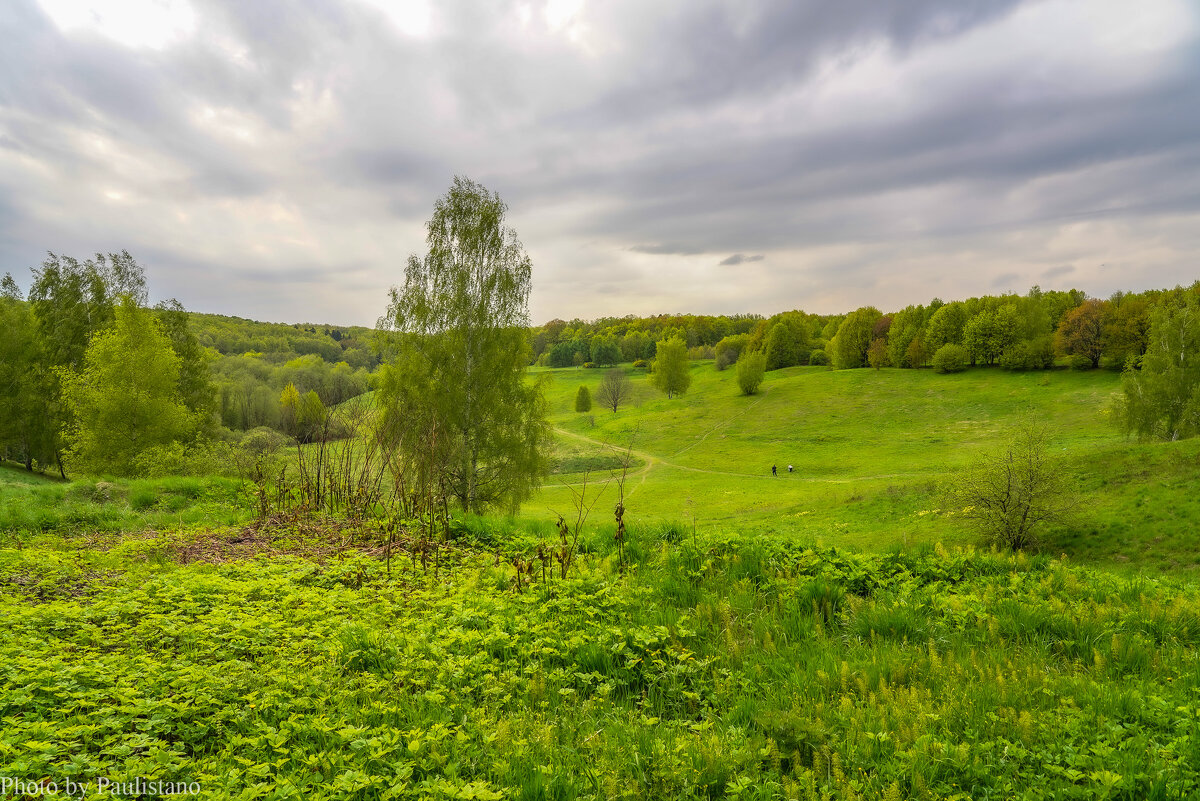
(583, 399)
(950, 358)
(262, 440)
(750, 369)
(1036, 354)
(589, 365)
(819, 358)
(641, 364)
(701, 352)
(729, 349)
(178, 459)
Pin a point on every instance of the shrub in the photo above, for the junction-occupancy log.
(641, 364)
(950, 358)
(1036, 354)
(819, 358)
(750, 370)
(583, 399)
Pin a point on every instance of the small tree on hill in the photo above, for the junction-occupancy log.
(583, 399)
(457, 384)
(671, 373)
(615, 389)
(750, 370)
(1014, 492)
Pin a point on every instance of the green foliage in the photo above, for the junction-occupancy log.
(729, 349)
(950, 358)
(126, 399)
(1036, 354)
(989, 333)
(605, 350)
(849, 346)
(732, 667)
(818, 358)
(459, 334)
(945, 326)
(671, 371)
(1126, 328)
(196, 388)
(781, 350)
(750, 370)
(25, 428)
(583, 399)
(1162, 399)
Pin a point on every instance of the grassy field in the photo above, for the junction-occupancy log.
(873, 452)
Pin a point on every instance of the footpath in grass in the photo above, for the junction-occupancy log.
(749, 667)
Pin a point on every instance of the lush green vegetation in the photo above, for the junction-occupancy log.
(720, 667)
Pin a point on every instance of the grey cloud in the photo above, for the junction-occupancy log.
(673, 249)
(739, 258)
(1056, 272)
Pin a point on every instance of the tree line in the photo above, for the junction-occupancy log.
(1017, 332)
(94, 380)
(90, 376)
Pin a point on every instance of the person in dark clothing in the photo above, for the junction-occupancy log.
(774, 472)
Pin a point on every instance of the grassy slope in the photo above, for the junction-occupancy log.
(873, 451)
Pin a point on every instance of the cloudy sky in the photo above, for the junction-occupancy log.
(277, 159)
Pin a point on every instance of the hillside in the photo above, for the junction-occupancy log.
(872, 453)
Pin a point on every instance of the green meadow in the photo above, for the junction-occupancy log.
(828, 633)
(873, 454)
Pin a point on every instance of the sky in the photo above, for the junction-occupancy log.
(278, 159)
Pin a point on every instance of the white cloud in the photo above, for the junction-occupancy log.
(153, 24)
